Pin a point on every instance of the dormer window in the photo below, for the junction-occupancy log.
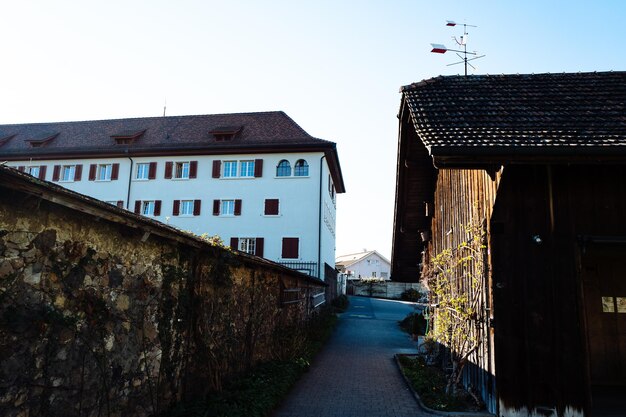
(225, 133)
(4, 138)
(42, 139)
(127, 137)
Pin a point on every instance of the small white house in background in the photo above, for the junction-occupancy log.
(366, 264)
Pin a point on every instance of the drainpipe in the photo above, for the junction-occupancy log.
(130, 177)
(319, 232)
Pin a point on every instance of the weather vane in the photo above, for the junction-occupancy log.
(441, 49)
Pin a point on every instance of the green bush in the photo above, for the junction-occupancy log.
(414, 323)
(411, 295)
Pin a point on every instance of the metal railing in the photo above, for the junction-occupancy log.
(309, 268)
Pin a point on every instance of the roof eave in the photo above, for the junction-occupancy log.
(465, 156)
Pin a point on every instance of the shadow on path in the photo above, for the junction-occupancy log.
(355, 374)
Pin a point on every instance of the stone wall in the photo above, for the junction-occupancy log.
(103, 313)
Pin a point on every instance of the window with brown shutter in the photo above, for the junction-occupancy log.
(92, 172)
(152, 171)
(176, 208)
(234, 243)
(271, 207)
(56, 173)
(237, 207)
(216, 207)
(120, 204)
(193, 169)
(115, 172)
(168, 170)
(258, 168)
(42, 172)
(21, 168)
(217, 168)
(290, 248)
(157, 208)
(259, 246)
(78, 173)
(196, 207)
(138, 206)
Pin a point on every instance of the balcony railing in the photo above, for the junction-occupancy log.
(309, 268)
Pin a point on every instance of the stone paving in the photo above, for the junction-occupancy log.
(355, 374)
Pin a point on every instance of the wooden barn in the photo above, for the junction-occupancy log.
(538, 164)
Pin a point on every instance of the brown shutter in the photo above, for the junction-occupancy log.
(196, 207)
(217, 168)
(115, 171)
(21, 168)
(259, 246)
(193, 169)
(216, 207)
(290, 248)
(56, 172)
(138, 206)
(92, 172)
(271, 206)
(168, 169)
(258, 168)
(234, 243)
(78, 172)
(120, 204)
(176, 208)
(152, 171)
(42, 172)
(157, 208)
(237, 207)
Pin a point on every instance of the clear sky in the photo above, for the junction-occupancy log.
(334, 66)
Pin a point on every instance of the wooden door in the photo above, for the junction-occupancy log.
(604, 286)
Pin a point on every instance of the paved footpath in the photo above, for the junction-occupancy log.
(355, 374)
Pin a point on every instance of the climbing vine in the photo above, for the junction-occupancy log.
(456, 278)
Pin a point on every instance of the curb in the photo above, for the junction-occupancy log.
(430, 410)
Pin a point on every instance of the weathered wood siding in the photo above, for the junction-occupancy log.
(541, 215)
(464, 197)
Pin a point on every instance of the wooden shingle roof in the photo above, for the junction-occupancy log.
(520, 115)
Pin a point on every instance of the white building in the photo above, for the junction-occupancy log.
(366, 264)
(257, 180)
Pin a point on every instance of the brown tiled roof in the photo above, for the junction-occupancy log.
(172, 135)
(259, 129)
(527, 114)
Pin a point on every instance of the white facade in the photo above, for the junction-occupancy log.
(306, 202)
(364, 265)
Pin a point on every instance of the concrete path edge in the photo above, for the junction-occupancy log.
(430, 410)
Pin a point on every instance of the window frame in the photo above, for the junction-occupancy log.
(301, 168)
(286, 168)
(71, 169)
(148, 204)
(229, 169)
(189, 204)
(107, 169)
(147, 171)
(185, 168)
(249, 168)
(37, 168)
(246, 243)
(227, 204)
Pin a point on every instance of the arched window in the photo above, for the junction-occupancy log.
(301, 168)
(283, 169)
